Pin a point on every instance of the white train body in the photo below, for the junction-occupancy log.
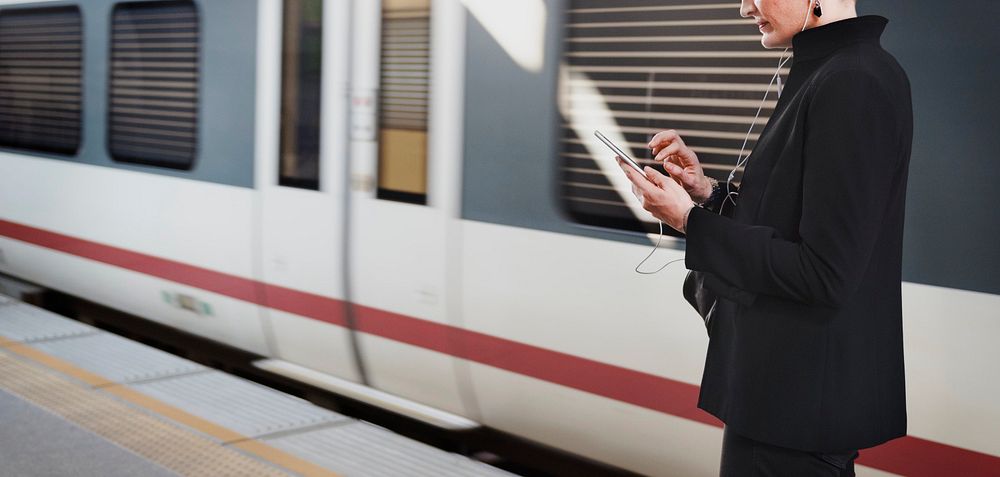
(545, 334)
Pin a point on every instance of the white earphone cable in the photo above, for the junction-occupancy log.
(740, 160)
(649, 104)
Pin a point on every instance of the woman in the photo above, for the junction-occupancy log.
(805, 359)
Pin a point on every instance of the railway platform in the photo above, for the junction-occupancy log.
(76, 400)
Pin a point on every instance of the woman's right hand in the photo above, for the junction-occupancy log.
(681, 163)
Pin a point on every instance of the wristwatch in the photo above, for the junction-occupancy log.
(716, 191)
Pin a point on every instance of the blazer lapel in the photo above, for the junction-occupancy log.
(769, 148)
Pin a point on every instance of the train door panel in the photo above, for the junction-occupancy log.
(404, 176)
(301, 143)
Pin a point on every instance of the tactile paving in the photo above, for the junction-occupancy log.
(366, 450)
(116, 358)
(26, 323)
(290, 431)
(235, 403)
(176, 449)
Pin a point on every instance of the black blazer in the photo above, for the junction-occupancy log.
(806, 341)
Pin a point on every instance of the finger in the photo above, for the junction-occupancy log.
(676, 159)
(674, 170)
(676, 173)
(668, 137)
(671, 185)
(664, 182)
(629, 172)
(671, 150)
(689, 181)
(642, 182)
(662, 137)
(656, 178)
(659, 146)
(622, 165)
(674, 165)
(662, 144)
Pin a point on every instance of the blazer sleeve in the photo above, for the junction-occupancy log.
(851, 153)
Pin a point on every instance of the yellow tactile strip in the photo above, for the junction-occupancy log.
(172, 447)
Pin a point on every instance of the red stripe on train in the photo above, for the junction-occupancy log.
(907, 455)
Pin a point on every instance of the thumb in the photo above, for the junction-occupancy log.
(673, 169)
(664, 182)
(677, 172)
(656, 177)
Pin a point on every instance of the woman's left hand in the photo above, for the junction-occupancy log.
(660, 196)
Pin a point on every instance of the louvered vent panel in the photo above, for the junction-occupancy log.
(40, 79)
(632, 68)
(405, 68)
(153, 110)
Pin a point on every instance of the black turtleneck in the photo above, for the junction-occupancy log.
(806, 339)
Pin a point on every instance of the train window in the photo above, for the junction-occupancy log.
(402, 171)
(301, 65)
(40, 79)
(631, 68)
(153, 93)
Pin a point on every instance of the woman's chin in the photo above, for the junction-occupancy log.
(771, 41)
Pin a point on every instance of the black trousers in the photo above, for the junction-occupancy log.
(745, 457)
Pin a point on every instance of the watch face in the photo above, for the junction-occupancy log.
(716, 191)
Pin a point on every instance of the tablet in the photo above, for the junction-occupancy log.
(621, 153)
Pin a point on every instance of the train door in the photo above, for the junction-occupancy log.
(406, 137)
(301, 148)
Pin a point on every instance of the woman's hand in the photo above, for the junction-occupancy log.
(681, 163)
(660, 196)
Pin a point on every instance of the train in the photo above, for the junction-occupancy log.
(402, 201)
